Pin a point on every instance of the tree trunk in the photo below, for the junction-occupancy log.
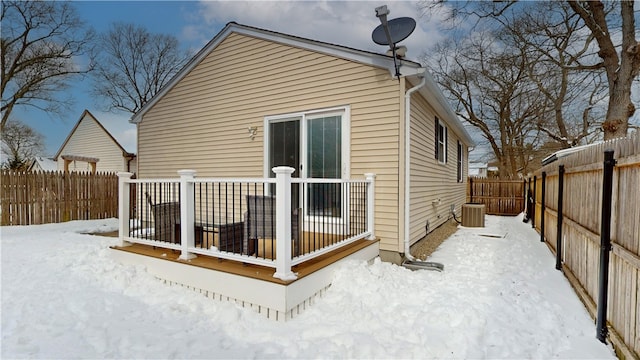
(618, 113)
(620, 70)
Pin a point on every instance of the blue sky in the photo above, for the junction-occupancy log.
(194, 23)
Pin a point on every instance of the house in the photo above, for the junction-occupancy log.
(254, 101)
(89, 147)
(40, 163)
(478, 170)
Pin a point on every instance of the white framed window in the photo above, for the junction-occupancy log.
(441, 141)
(460, 168)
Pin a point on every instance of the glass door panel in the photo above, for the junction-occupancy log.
(284, 150)
(324, 160)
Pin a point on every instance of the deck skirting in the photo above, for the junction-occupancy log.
(274, 300)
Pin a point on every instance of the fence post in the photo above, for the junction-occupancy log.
(542, 205)
(524, 195)
(560, 217)
(123, 206)
(529, 194)
(187, 214)
(283, 223)
(371, 198)
(533, 202)
(605, 245)
(470, 190)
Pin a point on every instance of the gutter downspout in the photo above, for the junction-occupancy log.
(407, 166)
(410, 262)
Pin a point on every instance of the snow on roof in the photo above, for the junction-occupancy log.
(46, 164)
(477, 165)
(566, 152)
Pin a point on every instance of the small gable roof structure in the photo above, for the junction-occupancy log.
(40, 163)
(413, 71)
(90, 142)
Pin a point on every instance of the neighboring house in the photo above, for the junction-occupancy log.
(478, 170)
(253, 99)
(91, 148)
(40, 163)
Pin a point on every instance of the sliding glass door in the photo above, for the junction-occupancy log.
(314, 145)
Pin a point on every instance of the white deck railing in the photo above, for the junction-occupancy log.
(242, 219)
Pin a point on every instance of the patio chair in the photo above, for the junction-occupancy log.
(260, 223)
(166, 220)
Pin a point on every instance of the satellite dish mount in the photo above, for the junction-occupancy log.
(392, 32)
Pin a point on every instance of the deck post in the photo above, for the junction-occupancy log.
(123, 206)
(283, 223)
(371, 198)
(187, 214)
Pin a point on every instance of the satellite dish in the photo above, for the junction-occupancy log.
(392, 32)
(399, 29)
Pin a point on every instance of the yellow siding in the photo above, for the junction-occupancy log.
(202, 122)
(431, 180)
(90, 140)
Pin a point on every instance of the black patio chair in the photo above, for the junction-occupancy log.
(166, 220)
(260, 223)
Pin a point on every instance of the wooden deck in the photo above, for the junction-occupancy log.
(248, 285)
(248, 270)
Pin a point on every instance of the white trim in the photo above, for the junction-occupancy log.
(345, 120)
(431, 91)
(302, 116)
(459, 161)
(407, 166)
(445, 141)
(266, 169)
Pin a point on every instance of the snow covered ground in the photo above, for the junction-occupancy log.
(499, 297)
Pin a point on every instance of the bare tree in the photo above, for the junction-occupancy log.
(40, 42)
(490, 89)
(20, 144)
(552, 40)
(134, 65)
(612, 26)
(622, 68)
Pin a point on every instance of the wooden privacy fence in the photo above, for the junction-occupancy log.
(500, 197)
(575, 233)
(30, 198)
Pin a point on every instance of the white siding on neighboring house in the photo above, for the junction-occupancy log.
(89, 139)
